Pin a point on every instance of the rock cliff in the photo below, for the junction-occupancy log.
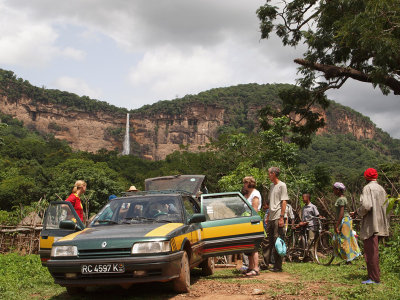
(154, 135)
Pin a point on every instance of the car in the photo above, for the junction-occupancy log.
(151, 236)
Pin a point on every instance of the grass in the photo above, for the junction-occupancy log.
(23, 277)
(344, 281)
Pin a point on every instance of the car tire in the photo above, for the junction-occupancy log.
(182, 283)
(73, 290)
(208, 266)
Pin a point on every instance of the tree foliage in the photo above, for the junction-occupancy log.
(15, 88)
(356, 39)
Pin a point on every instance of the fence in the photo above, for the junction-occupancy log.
(22, 239)
(25, 238)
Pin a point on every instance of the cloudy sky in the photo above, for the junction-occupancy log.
(131, 53)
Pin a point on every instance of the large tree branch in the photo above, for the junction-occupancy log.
(334, 71)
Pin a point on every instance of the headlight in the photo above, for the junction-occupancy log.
(58, 251)
(151, 247)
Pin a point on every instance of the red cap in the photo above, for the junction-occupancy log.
(370, 174)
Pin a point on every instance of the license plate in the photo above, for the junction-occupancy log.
(102, 268)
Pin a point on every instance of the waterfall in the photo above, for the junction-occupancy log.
(126, 146)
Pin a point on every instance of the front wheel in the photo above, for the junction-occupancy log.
(182, 283)
(324, 249)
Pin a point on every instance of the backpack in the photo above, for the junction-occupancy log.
(280, 247)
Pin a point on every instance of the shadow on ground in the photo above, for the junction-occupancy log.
(151, 290)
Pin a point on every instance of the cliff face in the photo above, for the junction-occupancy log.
(343, 122)
(156, 137)
(82, 130)
(151, 136)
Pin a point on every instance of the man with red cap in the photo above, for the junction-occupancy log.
(373, 222)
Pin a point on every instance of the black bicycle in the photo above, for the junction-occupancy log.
(319, 250)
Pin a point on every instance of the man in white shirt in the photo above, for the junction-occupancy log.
(278, 197)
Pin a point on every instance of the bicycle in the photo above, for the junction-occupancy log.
(323, 246)
(320, 250)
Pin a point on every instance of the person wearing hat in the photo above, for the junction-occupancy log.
(347, 246)
(373, 222)
(132, 189)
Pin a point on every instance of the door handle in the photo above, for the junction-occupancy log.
(255, 221)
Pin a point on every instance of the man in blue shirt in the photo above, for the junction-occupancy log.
(308, 215)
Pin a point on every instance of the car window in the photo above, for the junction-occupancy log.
(140, 209)
(218, 207)
(57, 213)
(190, 207)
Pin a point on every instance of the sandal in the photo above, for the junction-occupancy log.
(252, 273)
(244, 271)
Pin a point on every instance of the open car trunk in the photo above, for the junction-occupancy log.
(189, 183)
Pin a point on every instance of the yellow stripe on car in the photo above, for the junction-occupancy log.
(234, 229)
(46, 243)
(164, 229)
(71, 236)
(176, 242)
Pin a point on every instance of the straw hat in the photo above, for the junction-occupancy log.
(132, 189)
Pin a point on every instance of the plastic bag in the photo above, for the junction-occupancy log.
(280, 246)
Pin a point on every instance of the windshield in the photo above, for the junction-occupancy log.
(140, 209)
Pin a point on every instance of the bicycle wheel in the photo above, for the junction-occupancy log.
(299, 250)
(301, 247)
(324, 249)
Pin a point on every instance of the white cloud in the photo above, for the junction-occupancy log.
(168, 72)
(73, 53)
(77, 86)
(22, 42)
(29, 43)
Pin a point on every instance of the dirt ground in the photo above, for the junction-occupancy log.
(268, 285)
(234, 286)
(217, 290)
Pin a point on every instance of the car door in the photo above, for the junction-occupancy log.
(56, 212)
(231, 226)
(192, 207)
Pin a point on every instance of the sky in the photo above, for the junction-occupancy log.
(132, 53)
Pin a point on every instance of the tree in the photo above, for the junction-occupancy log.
(356, 39)
(101, 181)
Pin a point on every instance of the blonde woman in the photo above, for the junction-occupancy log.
(78, 190)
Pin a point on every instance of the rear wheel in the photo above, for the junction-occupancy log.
(324, 249)
(182, 283)
(208, 266)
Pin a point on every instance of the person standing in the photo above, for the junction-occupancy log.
(254, 198)
(308, 215)
(278, 197)
(78, 190)
(347, 246)
(374, 223)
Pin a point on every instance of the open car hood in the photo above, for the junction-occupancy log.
(187, 183)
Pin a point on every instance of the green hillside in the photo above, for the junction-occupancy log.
(37, 167)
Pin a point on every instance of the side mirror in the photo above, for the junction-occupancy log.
(197, 218)
(69, 225)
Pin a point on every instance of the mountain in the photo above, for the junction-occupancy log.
(159, 129)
